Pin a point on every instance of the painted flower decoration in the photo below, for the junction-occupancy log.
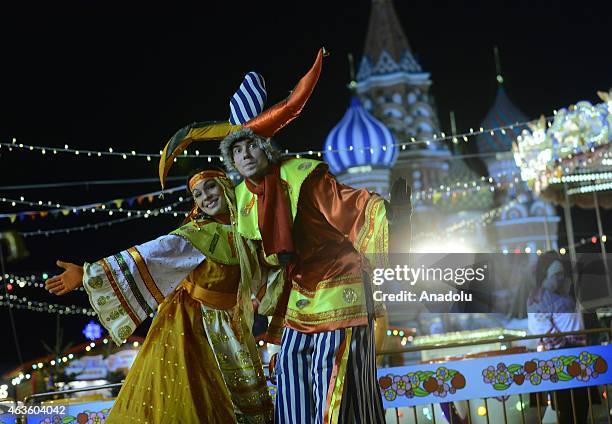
(488, 374)
(442, 373)
(535, 378)
(414, 380)
(390, 395)
(96, 418)
(546, 369)
(584, 357)
(585, 373)
(583, 367)
(400, 382)
(503, 377)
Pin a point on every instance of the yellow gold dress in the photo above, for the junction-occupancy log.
(192, 367)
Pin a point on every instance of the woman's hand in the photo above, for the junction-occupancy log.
(67, 281)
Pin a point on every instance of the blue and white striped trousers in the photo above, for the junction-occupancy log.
(304, 370)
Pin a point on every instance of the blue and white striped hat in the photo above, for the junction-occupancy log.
(249, 100)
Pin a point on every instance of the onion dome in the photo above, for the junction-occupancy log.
(359, 139)
(503, 113)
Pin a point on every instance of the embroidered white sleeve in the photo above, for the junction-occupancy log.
(139, 279)
(111, 313)
(169, 259)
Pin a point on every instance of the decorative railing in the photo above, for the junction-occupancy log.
(474, 390)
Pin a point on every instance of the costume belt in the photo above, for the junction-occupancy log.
(209, 298)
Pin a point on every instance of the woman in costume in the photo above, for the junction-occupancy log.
(199, 362)
(551, 309)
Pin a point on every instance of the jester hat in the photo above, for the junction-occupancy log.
(245, 104)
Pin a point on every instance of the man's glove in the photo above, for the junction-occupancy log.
(400, 205)
(399, 212)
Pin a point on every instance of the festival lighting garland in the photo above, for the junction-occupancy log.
(455, 139)
(69, 230)
(98, 153)
(484, 219)
(22, 302)
(150, 196)
(114, 206)
(60, 361)
(65, 210)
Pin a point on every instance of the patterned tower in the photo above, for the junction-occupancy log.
(394, 88)
(531, 223)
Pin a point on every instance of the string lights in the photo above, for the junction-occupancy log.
(484, 219)
(98, 153)
(562, 250)
(60, 361)
(78, 228)
(109, 208)
(442, 137)
(22, 302)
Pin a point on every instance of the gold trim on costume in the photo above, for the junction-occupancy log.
(115, 287)
(145, 274)
(336, 382)
(365, 234)
(322, 317)
(307, 328)
(329, 283)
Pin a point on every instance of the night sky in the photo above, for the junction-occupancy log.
(95, 74)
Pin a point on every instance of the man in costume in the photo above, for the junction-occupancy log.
(330, 236)
(199, 362)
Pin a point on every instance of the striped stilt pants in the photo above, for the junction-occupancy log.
(306, 371)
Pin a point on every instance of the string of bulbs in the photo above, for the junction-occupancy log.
(454, 138)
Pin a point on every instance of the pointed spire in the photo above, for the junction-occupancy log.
(386, 48)
(385, 32)
(499, 77)
(352, 83)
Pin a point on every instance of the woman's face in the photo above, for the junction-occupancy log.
(209, 198)
(555, 277)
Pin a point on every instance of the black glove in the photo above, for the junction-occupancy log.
(399, 212)
(400, 208)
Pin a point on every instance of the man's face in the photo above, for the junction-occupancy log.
(249, 159)
(208, 196)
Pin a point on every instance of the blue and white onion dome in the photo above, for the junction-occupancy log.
(359, 139)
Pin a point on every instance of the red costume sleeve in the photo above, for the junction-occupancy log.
(343, 206)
